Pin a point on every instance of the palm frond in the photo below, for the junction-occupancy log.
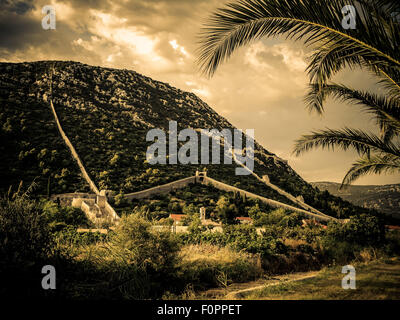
(241, 22)
(390, 81)
(376, 164)
(363, 143)
(333, 55)
(386, 110)
(387, 5)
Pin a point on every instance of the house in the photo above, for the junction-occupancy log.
(392, 228)
(244, 220)
(177, 218)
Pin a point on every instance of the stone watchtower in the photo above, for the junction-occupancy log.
(202, 214)
(102, 198)
(200, 176)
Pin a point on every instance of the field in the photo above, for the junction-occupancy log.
(378, 280)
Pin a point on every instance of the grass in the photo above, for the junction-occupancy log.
(206, 266)
(378, 280)
(218, 265)
(215, 254)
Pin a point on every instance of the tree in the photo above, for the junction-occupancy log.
(226, 211)
(372, 45)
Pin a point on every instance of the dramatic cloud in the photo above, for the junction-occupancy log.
(262, 86)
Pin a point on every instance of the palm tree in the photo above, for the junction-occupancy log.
(373, 45)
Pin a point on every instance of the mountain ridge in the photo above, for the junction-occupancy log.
(106, 113)
(384, 198)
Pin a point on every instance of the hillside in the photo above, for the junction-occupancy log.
(106, 113)
(385, 199)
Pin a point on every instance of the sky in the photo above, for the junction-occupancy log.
(261, 87)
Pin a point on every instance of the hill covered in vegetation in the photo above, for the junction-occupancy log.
(106, 113)
(385, 199)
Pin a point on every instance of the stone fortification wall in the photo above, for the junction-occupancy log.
(225, 187)
(73, 152)
(163, 189)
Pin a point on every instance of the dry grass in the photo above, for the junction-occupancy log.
(294, 243)
(212, 253)
(207, 266)
(367, 255)
(374, 281)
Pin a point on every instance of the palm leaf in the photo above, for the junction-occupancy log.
(373, 45)
(241, 22)
(386, 111)
(376, 164)
(390, 80)
(358, 140)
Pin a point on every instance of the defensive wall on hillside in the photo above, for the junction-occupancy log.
(201, 177)
(163, 189)
(96, 206)
(276, 204)
(73, 152)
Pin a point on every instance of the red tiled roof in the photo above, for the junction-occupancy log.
(177, 217)
(244, 218)
(393, 227)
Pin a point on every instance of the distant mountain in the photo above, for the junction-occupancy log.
(106, 113)
(385, 199)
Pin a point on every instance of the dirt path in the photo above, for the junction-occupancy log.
(237, 290)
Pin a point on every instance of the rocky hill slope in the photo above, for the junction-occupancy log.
(106, 113)
(385, 199)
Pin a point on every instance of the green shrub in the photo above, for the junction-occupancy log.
(343, 241)
(363, 230)
(393, 242)
(70, 237)
(280, 217)
(65, 215)
(142, 257)
(26, 245)
(139, 245)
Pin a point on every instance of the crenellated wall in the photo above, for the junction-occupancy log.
(225, 187)
(96, 206)
(66, 199)
(163, 189)
(201, 177)
(73, 151)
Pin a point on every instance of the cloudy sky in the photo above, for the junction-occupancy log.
(261, 87)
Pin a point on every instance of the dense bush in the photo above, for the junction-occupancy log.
(343, 241)
(143, 260)
(57, 215)
(69, 236)
(26, 245)
(138, 244)
(280, 217)
(363, 229)
(238, 237)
